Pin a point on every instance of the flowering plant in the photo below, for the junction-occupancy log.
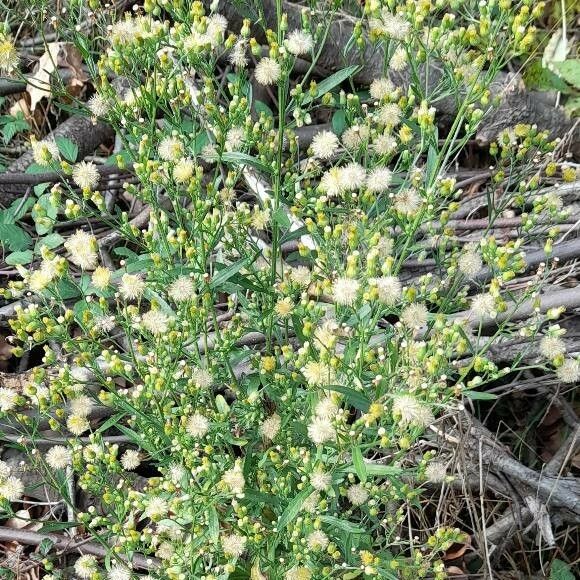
(254, 341)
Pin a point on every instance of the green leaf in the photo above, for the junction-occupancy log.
(432, 164)
(225, 274)
(40, 188)
(17, 210)
(36, 168)
(51, 241)
(359, 464)
(263, 108)
(569, 70)
(378, 469)
(45, 546)
(294, 235)
(480, 396)
(213, 527)
(56, 526)
(126, 253)
(331, 82)
(343, 525)
(20, 258)
(561, 571)
(238, 158)
(67, 290)
(67, 148)
(339, 122)
(572, 106)
(222, 405)
(15, 126)
(49, 212)
(281, 218)
(293, 509)
(14, 237)
(539, 78)
(355, 398)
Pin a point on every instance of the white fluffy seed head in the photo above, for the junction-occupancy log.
(415, 315)
(569, 371)
(324, 144)
(77, 424)
(98, 105)
(182, 289)
(86, 566)
(409, 411)
(86, 175)
(82, 248)
(132, 286)
(379, 180)
(11, 488)
(381, 87)
(299, 42)
(271, 426)
(407, 201)
(390, 115)
(357, 494)
(183, 170)
(8, 399)
(233, 545)
(470, 263)
(320, 480)
(234, 479)
(389, 289)
(170, 149)
(155, 321)
(58, 457)
(45, 152)
(197, 425)
(268, 71)
(552, 346)
(321, 430)
(345, 291)
(317, 540)
(483, 305)
(384, 144)
(131, 459)
(436, 472)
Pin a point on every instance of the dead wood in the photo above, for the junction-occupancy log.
(558, 491)
(66, 544)
(517, 105)
(80, 130)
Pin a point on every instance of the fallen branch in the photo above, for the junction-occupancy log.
(517, 105)
(64, 545)
(80, 130)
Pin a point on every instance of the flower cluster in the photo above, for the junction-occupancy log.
(259, 347)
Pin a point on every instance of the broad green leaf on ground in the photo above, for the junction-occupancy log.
(19, 258)
(67, 148)
(569, 70)
(561, 571)
(14, 238)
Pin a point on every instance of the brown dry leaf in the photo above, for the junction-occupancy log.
(5, 353)
(455, 571)
(23, 520)
(39, 83)
(70, 57)
(58, 54)
(457, 550)
(21, 106)
(15, 381)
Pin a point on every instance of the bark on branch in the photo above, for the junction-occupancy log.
(517, 105)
